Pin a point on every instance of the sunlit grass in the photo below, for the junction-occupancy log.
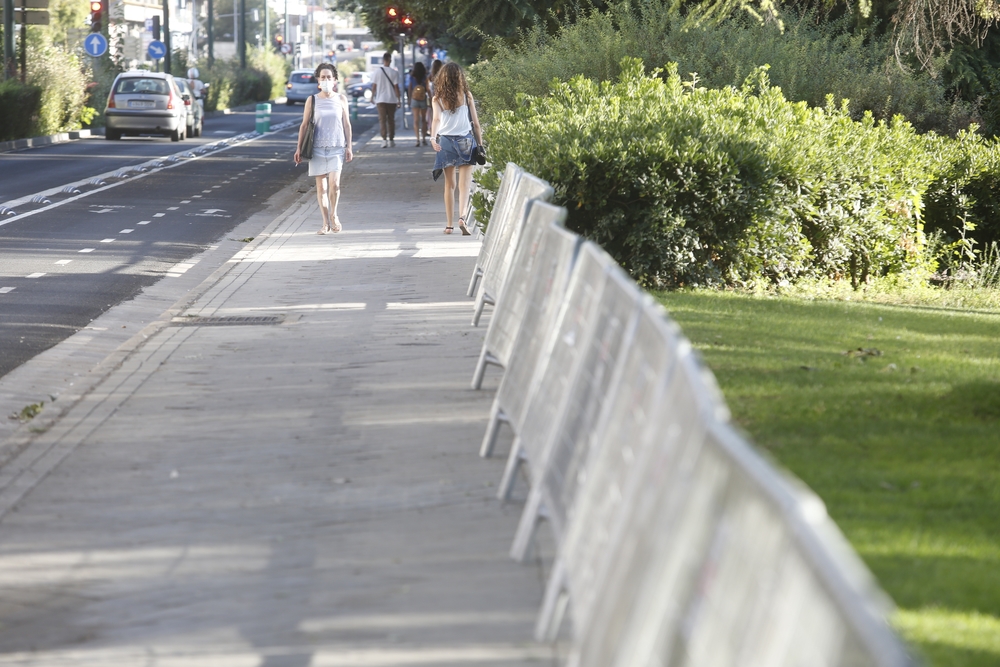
(892, 415)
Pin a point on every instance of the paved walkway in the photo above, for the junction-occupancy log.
(305, 492)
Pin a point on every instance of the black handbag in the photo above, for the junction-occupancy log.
(479, 152)
(306, 152)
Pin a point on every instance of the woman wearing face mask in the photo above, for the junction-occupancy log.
(331, 144)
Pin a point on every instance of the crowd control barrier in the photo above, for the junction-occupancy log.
(561, 349)
(497, 267)
(678, 545)
(547, 284)
(498, 217)
(506, 320)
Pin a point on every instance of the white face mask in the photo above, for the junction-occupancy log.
(326, 85)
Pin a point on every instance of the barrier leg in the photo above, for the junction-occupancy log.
(476, 275)
(514, 461)
(525, 535)
(485, 359)
(497, 417)
(553, 609)
(480, 304)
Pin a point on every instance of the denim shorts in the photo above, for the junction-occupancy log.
(326, 159)
(456, 151)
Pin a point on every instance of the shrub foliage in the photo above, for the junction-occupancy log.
(686, 185)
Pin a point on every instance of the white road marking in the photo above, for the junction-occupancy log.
(172, 208)
(185, 201)
(206, 190)
(213, 188)
(159, 215)
(145, 222)
(35, 275)
(178, 269)
(5, 290)
(126, 231)
(64, 262)
(88, 250)
(195, 196)
(107, 240)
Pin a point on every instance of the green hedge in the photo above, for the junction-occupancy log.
(684, 185)
(20, 106)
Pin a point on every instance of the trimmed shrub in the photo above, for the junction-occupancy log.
(684, 185)
(19, 107)
(808, 61)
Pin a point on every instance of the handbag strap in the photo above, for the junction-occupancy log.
(468, 109)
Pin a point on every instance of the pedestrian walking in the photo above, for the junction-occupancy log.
(436, 66)
(385, 92)
(327, 111)
(454, 136)
(418, 94)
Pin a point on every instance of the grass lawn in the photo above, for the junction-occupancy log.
(892, 415)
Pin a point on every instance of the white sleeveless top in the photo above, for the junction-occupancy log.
(329, 122)
(455, 123)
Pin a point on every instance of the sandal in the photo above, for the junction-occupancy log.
(336, 226)
(448, 229)
(465, 230)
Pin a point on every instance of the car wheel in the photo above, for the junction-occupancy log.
(112, 135)
(175, 135)
(198, 130)
(290, 103)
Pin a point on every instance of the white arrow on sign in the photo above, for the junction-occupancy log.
(157, 49)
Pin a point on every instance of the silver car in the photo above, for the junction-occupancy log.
(145, 103)
(301, 84)
(196, 114)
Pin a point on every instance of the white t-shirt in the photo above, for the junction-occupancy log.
(386, 79)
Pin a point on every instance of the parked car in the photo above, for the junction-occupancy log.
(196, 115)
(143, 102)
(301, 84)
(359, 84)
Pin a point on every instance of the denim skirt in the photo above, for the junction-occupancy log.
(326, 159)
(456, 151)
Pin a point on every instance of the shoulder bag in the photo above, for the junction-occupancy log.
(306, 152)
(479, 152)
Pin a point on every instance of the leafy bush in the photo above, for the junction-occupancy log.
(63, 79)
(19, 108)
(262, 80)
(686, 185)
(808, 61)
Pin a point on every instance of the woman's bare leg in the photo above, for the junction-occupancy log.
(321, 196)
(449, 194)
(333, 187)
(464, 188)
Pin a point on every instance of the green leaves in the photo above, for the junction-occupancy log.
(685, 185)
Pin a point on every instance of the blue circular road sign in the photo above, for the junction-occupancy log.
(95, 44)
(157, 49)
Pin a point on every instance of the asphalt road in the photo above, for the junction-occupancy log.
(64, 263)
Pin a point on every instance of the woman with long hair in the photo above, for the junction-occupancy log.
(418, 94)
(331, 143)
(454, 135)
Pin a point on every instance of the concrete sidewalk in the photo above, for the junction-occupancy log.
(301, 491)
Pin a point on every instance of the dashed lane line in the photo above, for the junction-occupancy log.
(87, 250)
(7, 290)
(35, 275)
(107, 240)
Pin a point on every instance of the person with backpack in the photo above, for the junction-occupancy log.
(418, 94)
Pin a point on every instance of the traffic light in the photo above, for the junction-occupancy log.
(96, 15)
(392, 13)
(156, 27)
(406, 25)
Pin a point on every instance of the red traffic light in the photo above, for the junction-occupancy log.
(392, 13)
(95, 6)
(408, 21)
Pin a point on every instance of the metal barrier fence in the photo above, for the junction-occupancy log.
(506, 320)
(553, 376)
(498, 217)
(501, 257)
(547, 285)
(678, 544)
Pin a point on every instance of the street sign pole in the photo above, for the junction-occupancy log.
(166, 35)
(242, 45)
(211, 33)
(8, 39)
